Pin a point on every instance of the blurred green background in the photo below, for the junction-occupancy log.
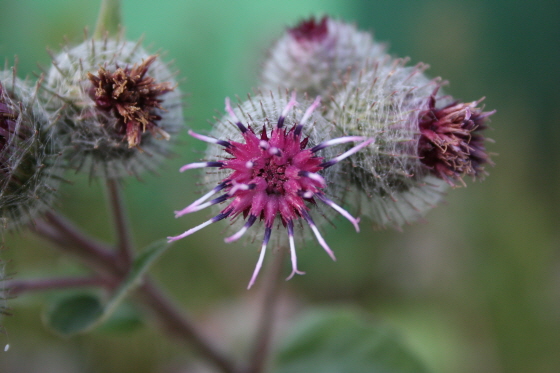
(476, 289)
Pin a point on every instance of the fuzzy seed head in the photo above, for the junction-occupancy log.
(268, 169)
(29, 155)
(389, 183)
(118, 107)
(315, 54)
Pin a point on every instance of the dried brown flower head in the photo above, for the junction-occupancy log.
(132, 97)
(113, 102)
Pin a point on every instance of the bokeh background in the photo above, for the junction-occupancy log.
(475, 289)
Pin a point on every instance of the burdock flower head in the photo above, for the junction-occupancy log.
(316, 53)
(133, 99)
(269, 169)
(422, 141)
(118, 106)
(29, 171)
(451, 143)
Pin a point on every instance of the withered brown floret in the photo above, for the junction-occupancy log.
(132, 97)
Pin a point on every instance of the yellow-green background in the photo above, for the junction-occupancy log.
(476, 289)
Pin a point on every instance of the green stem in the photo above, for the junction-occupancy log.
(109, 21)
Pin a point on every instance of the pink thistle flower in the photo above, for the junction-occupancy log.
(271, 176)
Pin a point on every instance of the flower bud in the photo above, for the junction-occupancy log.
(315, 54)
(29, 170)
(118, 107)
(422, 141)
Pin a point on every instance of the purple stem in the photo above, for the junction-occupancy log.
(99, 257)
(116, 203)
(18, 287)
(94, 254)
(174, 323)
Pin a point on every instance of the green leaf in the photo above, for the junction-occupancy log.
(126, 318)
(141, 264)
(73, 314)
(83, 312)
(344, 341)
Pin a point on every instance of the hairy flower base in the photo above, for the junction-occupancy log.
(271, 175)
(451, 142)
(113, 102)
(29, 169)
(316, 55)
(7, 130)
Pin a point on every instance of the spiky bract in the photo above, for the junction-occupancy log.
(29, 154)
(316, 54)
(388, 181)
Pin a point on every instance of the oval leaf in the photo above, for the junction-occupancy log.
(80, 313)
(73, 314)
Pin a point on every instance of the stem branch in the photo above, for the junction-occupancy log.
(93, 253)
(175, 323)
(18, 287)
(98, 256)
